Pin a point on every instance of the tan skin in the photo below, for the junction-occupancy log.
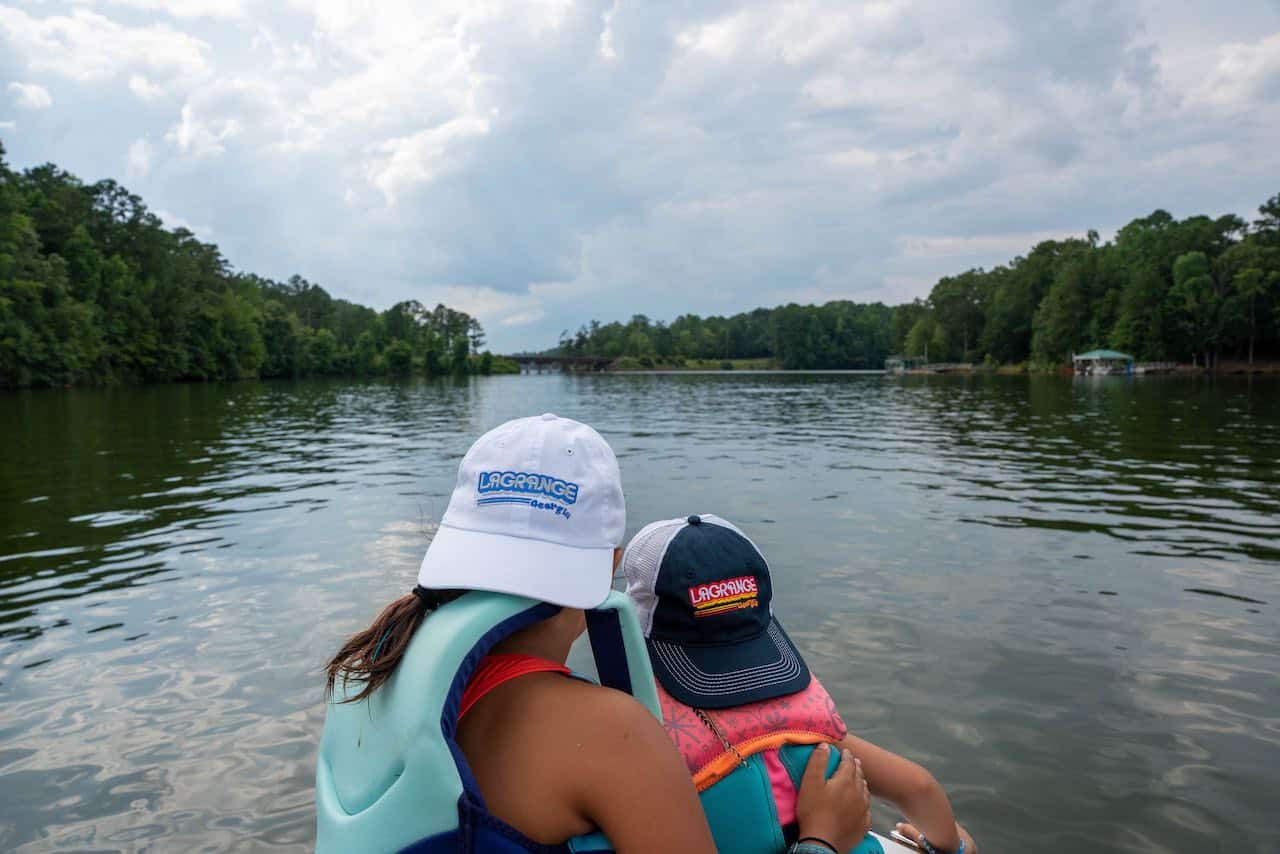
(556, 757)
(914, 791)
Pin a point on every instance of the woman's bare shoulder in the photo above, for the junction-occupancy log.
(586, 704)
(601, 723)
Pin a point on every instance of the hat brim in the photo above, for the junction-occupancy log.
(717, 677)
(537, 569)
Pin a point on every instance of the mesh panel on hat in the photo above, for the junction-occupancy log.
(640, 564)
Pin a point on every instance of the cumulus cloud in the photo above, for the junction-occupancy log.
(508, 309)
(30, 96)
(144, 88)
(184, 8)
(503, 308)
(542, 163)
(1245, 74)
(421, 156)
(201, 137)
(976, 245)
(87, 46)
(139, 163)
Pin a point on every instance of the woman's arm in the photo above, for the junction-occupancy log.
(913, 790)
(633, 785)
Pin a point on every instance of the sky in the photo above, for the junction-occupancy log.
(542, 164)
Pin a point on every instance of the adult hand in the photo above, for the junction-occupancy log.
(913, 833)
(836, 810)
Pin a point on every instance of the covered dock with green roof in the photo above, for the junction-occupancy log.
(1102, 362)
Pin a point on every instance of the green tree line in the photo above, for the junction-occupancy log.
(838, 334)
(1193, 290)
(94, 289)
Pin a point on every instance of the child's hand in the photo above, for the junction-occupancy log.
(913, 833)
(836, 810)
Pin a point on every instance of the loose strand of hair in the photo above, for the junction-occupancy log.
(370, 657)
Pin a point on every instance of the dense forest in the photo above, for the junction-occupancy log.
(94, 289)
(1195, 290)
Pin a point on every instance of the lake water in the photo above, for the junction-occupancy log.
(1058, 595)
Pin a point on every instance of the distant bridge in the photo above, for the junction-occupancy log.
(535, 363)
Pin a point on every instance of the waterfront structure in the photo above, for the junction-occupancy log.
(903, 364)
(534, 363)
(1102, 362)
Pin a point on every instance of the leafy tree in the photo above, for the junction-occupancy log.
(323, 353)
(1267, 226)
(243, 350)
(1253, 284)
(399, 356)
(475, 334)
(458, 361)
(905, 317)
(366, 353)
(958, 307)
(1193, 304)
(432, 363)
(281, 339)
(403, 320)
(1139, 325)
(921, 336)
(1060, 321)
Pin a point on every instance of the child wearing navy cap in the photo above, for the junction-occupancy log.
(738, 699)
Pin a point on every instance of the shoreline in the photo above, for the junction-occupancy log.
(1230, 369)
(1226, 369)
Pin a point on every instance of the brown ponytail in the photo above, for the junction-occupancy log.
(371, 656)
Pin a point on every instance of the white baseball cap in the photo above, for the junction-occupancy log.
(537, 511)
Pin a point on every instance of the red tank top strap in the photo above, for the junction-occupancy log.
(496, 670)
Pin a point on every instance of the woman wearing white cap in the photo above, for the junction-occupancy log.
(538, 512)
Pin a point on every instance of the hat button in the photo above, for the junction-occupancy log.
(694, 520)
(548, 416)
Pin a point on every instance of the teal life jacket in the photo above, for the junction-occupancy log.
(390, 776)
(742, 813)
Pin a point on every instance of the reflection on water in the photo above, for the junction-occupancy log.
(1059, 595)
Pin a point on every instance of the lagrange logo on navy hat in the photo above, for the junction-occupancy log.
(718, 597)
(522, 487)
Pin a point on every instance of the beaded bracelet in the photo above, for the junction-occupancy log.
(929, 849)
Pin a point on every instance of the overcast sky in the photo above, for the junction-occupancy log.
(543, 164)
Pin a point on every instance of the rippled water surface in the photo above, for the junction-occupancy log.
(1060, 596)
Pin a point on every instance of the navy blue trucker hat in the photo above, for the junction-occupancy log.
(703, 594)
